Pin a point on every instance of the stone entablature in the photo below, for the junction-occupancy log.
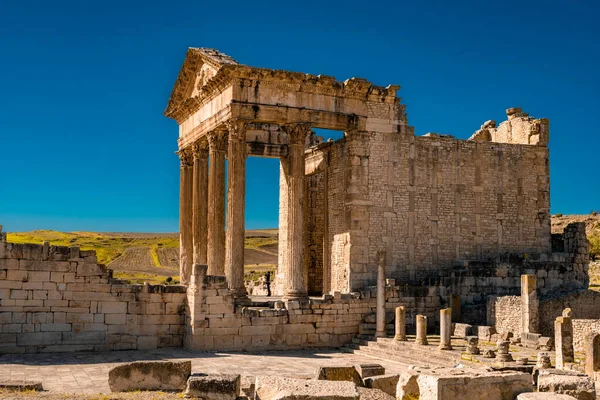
(56, 298)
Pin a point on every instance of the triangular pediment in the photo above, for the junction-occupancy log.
(199, 67)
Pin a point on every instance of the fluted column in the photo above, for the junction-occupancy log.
(217, 144)
(236, 197)
(297, 134)
(200, 202)
(185, 216)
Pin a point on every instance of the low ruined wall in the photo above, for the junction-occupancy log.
(582, 328)
(214, 323)
(585, 306)
(55, 298)
(504, 313)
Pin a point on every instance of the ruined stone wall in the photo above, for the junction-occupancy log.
(581, 329)
(55, 298)
(504, 313)
(218, 325)
(314, 220)
(436, 201)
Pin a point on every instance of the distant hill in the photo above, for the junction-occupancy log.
(150, 257)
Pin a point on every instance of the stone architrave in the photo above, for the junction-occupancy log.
(297, 134)
(236, 195)
(445, 329)
(563, 341)
(529, 304)
(200, 202)
(185, 215)
(380, 323)
(592, 354)
(217, 142)
(421, 330)
(400, 324)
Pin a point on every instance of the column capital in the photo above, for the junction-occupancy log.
(185, 157)
(237, 129)
(297, 132)
(200, 150)
(217, 141)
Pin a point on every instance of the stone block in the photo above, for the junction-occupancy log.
(112, 307)
(368, 370)
(213, 387)
(339, 373)
(407, 387)
(571, 383)
(21, 385)
(544, 396)
(463, 330)
(96, 337)
(278, 388)
(464, 384)
(115, 319)
(150, 375)
(39, 338)
(147, 342)
(385, 383)
(485, 332)
(55, 327)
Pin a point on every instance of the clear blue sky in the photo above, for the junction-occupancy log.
(83, 85)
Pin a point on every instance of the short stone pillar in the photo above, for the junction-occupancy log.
(563, 341)
(445, 329)
(421, 330)
(196, 320)
(543, 361)
(473, 345)
(529, 304)
(503, 354)
(380, 328)
(592, 354)
(400, 323)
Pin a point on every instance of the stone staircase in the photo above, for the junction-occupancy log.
(407, 353)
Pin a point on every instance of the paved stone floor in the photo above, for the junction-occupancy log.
(87, 373)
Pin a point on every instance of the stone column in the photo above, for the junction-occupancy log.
(421, 330)
(217, 142)
(380, 327)
(236, 197)
(400, 324)
(185, 216)
(196, 319)
(200, 202)
(326, 254)
(563, 339)
(592, 354)
(445, 329)
(297, 134)
(529, 305)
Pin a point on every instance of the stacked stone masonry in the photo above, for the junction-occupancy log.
(55, 298)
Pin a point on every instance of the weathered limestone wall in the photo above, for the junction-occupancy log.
(504, 313)
(216, 324)
(431, 201)
(520, 128)
(55, 298)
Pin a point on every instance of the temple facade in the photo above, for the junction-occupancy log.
(429, 203)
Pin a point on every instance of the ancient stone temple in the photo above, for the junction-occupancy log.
(430, 202)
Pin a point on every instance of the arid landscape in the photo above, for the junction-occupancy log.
(150, 257)
(153, 257)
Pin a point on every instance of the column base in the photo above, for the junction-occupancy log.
(380, 334)
(445, 347)
(422, 342)
(400, 338)
(295, 295)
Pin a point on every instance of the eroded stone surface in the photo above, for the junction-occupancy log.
(277, 388)
(386, 383)
(367, 370)
(150, 375)
(339, 373)
(578, 385)
(20, 385)
(544, 396)
(213, 387)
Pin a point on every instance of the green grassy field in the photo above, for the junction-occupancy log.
(147, 257)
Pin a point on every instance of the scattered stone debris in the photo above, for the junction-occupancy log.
(386, 383)
(339, 373)
(21, 385)
(368, 370)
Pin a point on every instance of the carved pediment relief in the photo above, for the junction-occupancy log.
(199, 67)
